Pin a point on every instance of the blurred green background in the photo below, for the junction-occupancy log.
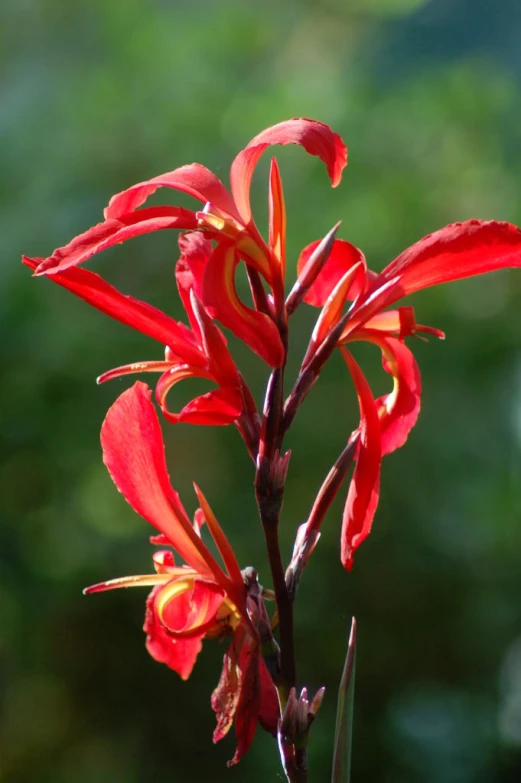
(99, 95)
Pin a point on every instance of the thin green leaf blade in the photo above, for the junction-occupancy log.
(344, 716)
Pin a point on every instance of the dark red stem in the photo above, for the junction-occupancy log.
(270, 480)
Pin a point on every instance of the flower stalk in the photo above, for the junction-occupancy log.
(208, 595)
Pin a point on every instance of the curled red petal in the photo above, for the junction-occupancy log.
(164, 561)
(454, 252)
(134, 454)
(316, 138)
(129, 311)
(254, 328)
(343, 257)
(188, 607)
(218, 407)
(362, 497)
(179, 654)
(194, 179)
(113, 232)
(400, 409)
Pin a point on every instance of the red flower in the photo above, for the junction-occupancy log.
(452, 253)
(198, 599)
(226, 219)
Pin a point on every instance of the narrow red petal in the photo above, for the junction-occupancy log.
(134, 454)
(113, 232)
(223, 545)
(316, 138)
(220, 297)
(179, 654)
(343, 257)
(132, 369)
(194, 179)
(457, 251)
(129, 311)
(277, 225)
(362, 498)
(145, 580)
(333, 307)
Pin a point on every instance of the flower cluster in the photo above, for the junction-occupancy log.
(202, 598)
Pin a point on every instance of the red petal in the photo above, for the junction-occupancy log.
(269, 710)
(372, 303)
(218, 407)
(249, 704)
(400, 409)
(362, 498)
(220, 362)
(132, 369)
(220, 297)
(226, 695)
(401, 322)
(134, 454)
(331, 312)
(245, 692)
(195, 251)
(164, 561)
(141, 580)
(113, 232)
(454, 252)
(194, 179)
(221, 542)
(316, 138)
(277, 224)
(129, 311)
(187, 607)
(179, 654)
(343, 256)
